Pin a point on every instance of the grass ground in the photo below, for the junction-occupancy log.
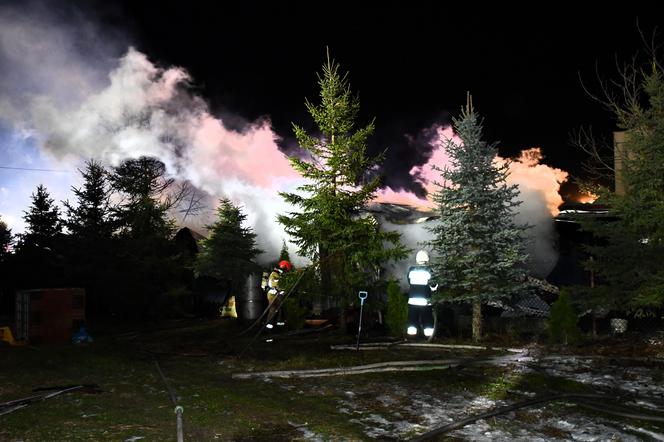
(198, 359)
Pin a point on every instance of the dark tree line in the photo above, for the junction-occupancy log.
(115, 239)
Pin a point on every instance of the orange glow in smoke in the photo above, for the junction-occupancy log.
(586, 198)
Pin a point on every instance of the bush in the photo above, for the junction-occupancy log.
(562, 321)
(294, 314)
(397, 310)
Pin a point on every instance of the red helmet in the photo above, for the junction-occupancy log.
(285, 265)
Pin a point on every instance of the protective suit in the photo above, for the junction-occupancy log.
(274, 291)
(420, 314)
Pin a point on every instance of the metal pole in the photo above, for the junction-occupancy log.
(362, 295)
(178, 408)
(178, 421)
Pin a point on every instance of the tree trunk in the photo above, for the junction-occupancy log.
(477, 320)
(592, 286)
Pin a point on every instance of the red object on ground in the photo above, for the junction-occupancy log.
(49, 316)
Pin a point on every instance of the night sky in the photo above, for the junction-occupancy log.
(411, 62)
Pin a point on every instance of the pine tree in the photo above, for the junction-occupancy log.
(562, 328)
(8, 275)
(43, 223)
(229, 251)
(38, 260)
(5, 240)
(144, 211)
(629, 245)
(91, 217)
(348, 248)
(146, 263)
(478, 249)
(90, 223)
(284, 255)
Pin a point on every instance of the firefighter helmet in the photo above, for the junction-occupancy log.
(422, 257)
(285, 266)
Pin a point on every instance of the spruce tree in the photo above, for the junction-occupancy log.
(90, 223)
(5, 240)
(479, 253)
(562, 328)
(284, 255)
(144, 186)
(8, 275)
(347, 248)
(43, 223)
(146, 263)
(91, 217)
(229, 252)
(38, 259)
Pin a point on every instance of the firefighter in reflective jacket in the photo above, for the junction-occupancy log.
(274, 292)
(419, 296)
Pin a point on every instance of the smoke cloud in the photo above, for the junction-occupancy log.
(68, 95)
(74, 107)
(538, 191)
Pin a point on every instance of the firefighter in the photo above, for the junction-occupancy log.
(274, 291)
(419, 296)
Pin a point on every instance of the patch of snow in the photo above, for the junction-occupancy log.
(598, 373)
(651, 434)
(400, 412)
(386, 400)
(309, 435)
(563, 425)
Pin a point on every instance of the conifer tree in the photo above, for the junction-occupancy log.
(43, 223)
(562, 328)
(91, 217)
(5, 240)
(284, 255)
(229, 251)
(146, 261)
(90, 223)
(38, 260)
(629, 244)
(6, 270)
(348, 248)
(479, 253)
(144, 210)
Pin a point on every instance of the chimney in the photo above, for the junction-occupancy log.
(619, 156)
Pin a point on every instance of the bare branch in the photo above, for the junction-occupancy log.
(193, 206)
(599, 164)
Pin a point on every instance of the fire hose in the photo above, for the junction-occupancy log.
(583, 400)
(178, 408)
(267, 309)
(282, 299)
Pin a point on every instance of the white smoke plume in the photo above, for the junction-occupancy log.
(147, 111)
(68, 94)
(538, 186)
(75, 109)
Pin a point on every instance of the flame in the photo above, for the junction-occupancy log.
(535, 180)
(586, 198)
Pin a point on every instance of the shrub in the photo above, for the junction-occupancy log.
(294, 313)
(397, 310)
(562, 321)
